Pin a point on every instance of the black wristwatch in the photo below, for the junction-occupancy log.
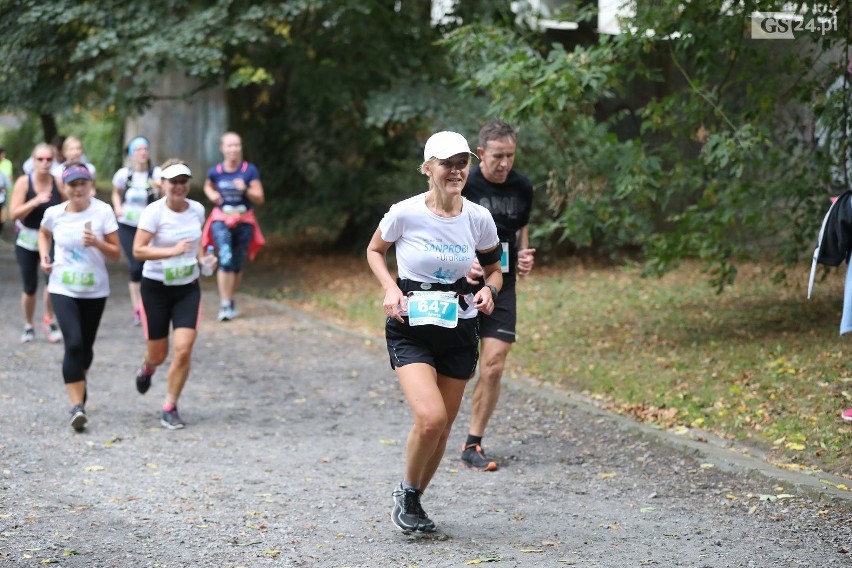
(493, 289)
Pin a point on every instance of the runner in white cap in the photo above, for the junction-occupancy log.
(168, 240)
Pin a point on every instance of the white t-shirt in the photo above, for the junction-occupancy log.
(134, 198)
(169, 228)
(430, 248)
(79, 271)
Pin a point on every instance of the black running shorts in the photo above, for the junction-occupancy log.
(161, 305)
(452, 352)
(501, 323)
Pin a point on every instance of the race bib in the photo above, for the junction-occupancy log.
(27, 238)
(504, 258)
(433, 308)
(179, 270)
(132, 212)
(79, 278)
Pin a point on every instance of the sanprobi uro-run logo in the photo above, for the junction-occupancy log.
(789, 25)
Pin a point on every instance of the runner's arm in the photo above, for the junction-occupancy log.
(45, 241)
(526, 255)
(19, 205)
(376, 258)
(210, 191)
(142, 249)
(255, 192)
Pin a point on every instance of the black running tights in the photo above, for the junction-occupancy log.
(78, 319)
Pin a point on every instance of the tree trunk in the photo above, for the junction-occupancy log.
(48, 126)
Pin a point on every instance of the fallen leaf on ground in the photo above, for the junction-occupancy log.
(484, 559)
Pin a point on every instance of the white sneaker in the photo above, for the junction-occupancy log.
(28, 335)
(54, 335)
(224, 313)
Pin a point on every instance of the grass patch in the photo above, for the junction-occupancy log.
(759, 364)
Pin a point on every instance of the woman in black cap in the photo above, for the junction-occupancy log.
(168, 240)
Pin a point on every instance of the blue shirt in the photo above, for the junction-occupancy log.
(223, 181)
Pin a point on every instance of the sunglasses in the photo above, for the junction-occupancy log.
(43, 159)
(179, 180)
(457, 164)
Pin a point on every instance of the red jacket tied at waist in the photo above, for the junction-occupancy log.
(232, 220)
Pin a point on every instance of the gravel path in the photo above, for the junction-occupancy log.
(295, 439)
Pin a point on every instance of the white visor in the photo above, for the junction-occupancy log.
(176, 170)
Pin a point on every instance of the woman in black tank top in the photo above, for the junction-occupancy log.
(31, 197)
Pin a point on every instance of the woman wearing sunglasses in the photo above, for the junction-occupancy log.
(168, 240)
(32, 195)
(431, 328)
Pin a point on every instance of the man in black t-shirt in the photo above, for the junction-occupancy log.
(508, 195)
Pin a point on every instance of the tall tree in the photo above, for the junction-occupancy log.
(334, 97)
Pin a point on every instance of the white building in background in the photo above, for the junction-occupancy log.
(544, 13)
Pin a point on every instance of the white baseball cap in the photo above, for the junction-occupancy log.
(444, 144)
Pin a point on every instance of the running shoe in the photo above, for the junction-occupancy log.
(28, 335)
(137, 317)
(51, 329)
(426, 524)
(172, 420)
(79, 418)
(407, 513)
(224, 313)
(232, 311)
(474, 458)
(143, 379)
(847, 415)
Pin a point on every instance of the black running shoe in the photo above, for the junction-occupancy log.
(407, 513)
(143, 380)
(474, 458)
(172, 420)
(426, 524)
(79, 418)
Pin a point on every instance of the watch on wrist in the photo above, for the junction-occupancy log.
(493, 289)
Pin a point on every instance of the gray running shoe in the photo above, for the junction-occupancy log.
(426, 524)
(407, 513)
(474, 458)
(172, 420)
(79, 418)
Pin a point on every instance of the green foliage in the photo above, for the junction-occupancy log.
(334, 98)
(682, 136)
(339, 128)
